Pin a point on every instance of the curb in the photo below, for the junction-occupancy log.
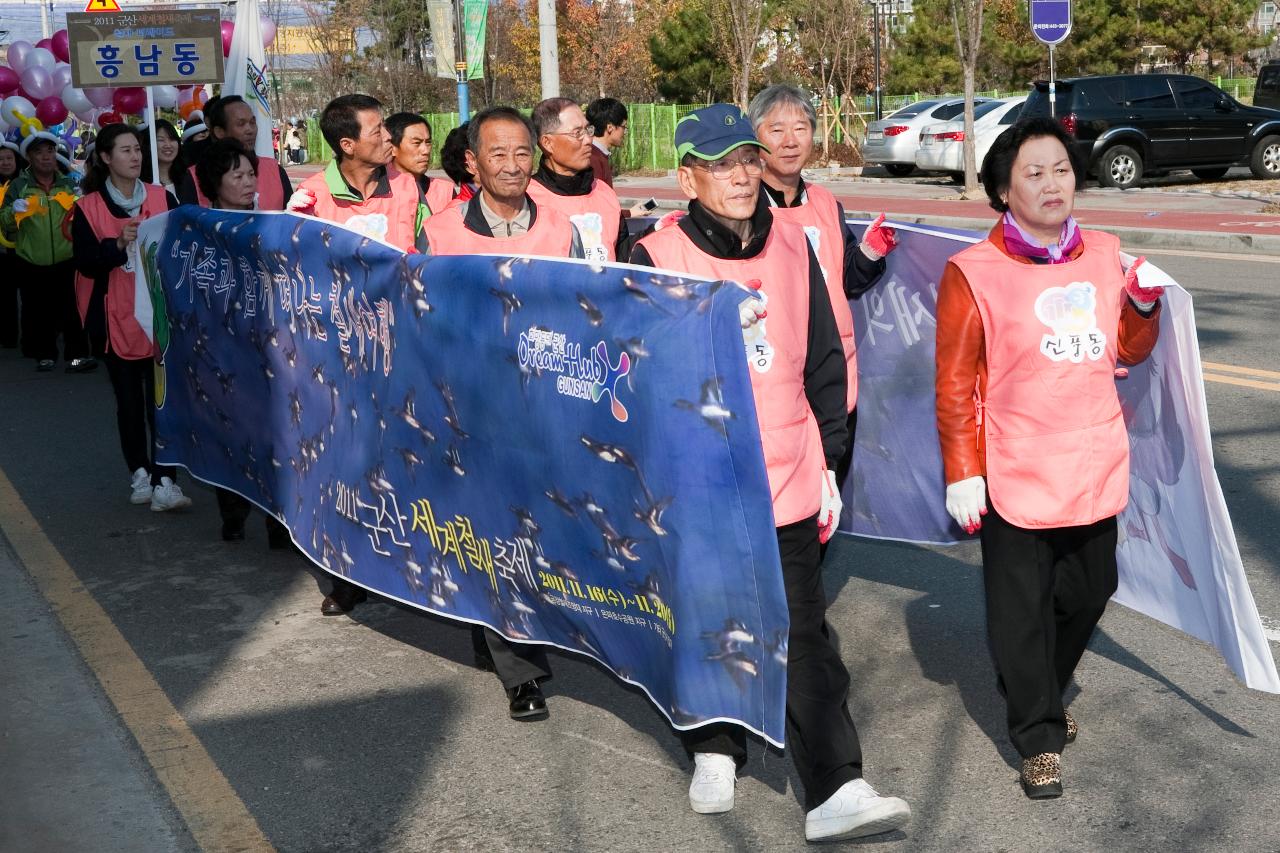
(1145, 238)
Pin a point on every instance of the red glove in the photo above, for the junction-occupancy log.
(878, 240)
(1143, 297)
(670, 219)
(303, 200)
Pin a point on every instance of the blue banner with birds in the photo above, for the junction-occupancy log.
(565, 452)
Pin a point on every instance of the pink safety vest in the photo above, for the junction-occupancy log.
(820, 218)
(597, 214)
(439, 194)
(270, 190)
(390, 218)
(124, 336)
(551, 235)
(789, 432)
(1057, 447)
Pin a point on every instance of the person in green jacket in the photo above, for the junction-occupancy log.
(36, 217)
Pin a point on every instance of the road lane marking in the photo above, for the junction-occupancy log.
(1244, 371)
(1244, 383)
(214, 814)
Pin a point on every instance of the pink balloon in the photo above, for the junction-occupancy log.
(99, 96)
(9, 80)
(62, 76)
(18, 52)
(130, 100)
(201, 96)
(47, 44)
(51, 111)
(61, 46)
(228, 28)
(109, 117)
(39, 83)
(268, 30)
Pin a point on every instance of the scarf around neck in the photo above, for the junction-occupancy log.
(132, 204)
(1019, 242)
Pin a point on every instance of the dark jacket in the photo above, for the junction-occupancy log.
(825, 380)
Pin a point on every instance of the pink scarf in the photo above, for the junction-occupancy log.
(1019, 242)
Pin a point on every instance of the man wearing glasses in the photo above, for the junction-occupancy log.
(799, 385)
(564, 180)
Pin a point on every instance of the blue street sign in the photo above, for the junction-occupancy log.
(1051, 20)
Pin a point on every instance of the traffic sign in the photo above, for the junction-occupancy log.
(102, 6)
(1051, 20)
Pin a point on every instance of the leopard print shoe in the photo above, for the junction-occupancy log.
(1042, 776)
(1072, 728)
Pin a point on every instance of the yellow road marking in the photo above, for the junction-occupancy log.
(215, 815)
(1246, 383)
(1243, 371)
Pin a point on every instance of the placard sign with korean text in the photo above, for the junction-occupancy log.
(170, 47)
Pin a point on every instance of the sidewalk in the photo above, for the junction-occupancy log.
(1149, 218)
(71, 776)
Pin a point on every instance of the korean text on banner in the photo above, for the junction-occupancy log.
(475, 15)
(440, 18)
(170, 47)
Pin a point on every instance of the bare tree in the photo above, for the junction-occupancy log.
(831, 44)
(737, 26)
(966, 17)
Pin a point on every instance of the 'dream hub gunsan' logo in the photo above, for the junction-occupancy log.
(587, 377)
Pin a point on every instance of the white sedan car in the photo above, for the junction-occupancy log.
(892, 141)
(942, 145)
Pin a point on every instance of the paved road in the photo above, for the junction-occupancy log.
(241, 719)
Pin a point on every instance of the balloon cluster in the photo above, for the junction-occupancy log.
(36, 91)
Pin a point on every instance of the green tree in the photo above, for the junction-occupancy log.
(1104, 39)
(1185, 27)
(689, 70)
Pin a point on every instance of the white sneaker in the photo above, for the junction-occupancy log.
(853, 811)
(711, 790)
(141, 487)
(167, 496)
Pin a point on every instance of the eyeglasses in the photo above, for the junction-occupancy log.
(579, 134)
(723, 169)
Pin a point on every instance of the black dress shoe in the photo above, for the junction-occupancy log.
(233, 531)
(527, 702)
(343, 599)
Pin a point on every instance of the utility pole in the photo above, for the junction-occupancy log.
(547, 46)
(875, 5)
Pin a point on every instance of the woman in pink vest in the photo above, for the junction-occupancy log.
(1031, 324)
(104, 234)
(797, 374)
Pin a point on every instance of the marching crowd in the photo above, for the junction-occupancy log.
(1032, 437)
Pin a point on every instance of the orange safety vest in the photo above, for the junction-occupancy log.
(789, 432)
(125, 337)
(270, 190)
(389, 218)
(598, 215)
(1057, 447)
(551, 235)
(819, 215)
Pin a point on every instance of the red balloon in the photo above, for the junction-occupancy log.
(61, 47)
(109, 117)
(51, 111)
(227, 29)
(47, 44)
(130, 100)
(9, 80)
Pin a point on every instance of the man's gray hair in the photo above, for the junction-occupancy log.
(546, 115)
(780, 95)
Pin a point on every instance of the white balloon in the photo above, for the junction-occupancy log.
(41, 57)
(165, 97)
(4, 126)
(15, 107)
(76, 100)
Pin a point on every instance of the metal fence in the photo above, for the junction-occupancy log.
(649, 143)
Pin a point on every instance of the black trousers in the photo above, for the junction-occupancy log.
(1046, 591)
(133, 380)
(8, 298)
(843, 465)
(235, 509)
(515, 663)
(49, 309)
(821, 736)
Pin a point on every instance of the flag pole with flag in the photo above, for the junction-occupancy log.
(247, 72)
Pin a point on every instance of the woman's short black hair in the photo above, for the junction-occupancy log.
(997, 167)
(453, 155)
(220, 157)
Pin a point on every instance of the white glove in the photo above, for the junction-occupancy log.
(967, 502)
(832, 506)
(301, 201)
(20, 205)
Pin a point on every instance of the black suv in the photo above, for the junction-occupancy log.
(1129, 125)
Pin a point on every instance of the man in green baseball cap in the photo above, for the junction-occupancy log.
(798, 381)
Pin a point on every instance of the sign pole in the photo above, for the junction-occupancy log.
(151, 133)
(1051, 24)
(1053, 86)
